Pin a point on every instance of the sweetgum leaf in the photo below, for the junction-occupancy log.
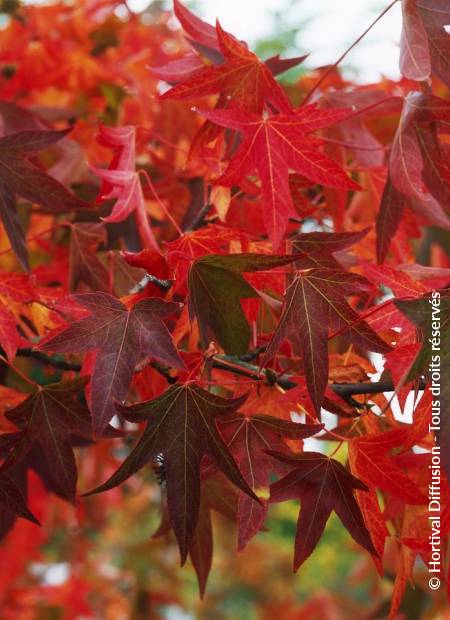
(272, 146)
(425, 42)
(17, 287)
(243, 80)
(85, 265)
(216, 286)
(374, 519)
(377, 468)
(389, 217)
(322, 485)
(178, 70)
(436, 171)
(12, 501)
(406, 164)
(220, 497)
(418, 166)
(18, 176)
(249, 437)
(28, 455)
(319, 247)
(204, 38)
(327, 243)
(435, 15)
(196, 28)
(10, 339)
(49, 417)
(121, 180)
(119, 335)
(279, 65)
(314, 302)
(181, 425)
(415, 62)
(216, 495)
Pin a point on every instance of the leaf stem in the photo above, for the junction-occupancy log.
(39, 234)
(355, 147)
(159, 201)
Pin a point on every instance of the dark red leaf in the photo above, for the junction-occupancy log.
(322, 485)
(314, 302)
(18, 176)
(119, 335)
(181, 425)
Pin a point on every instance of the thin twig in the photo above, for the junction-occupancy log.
(63, 365)
(199, 219)
(164, 209)
(47, 359)
(341, 58)
(251, 355)
(148, 278)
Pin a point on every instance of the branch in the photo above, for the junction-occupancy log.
(234, 364)
(47, 359)
(251, 355)
(238, 366)
(63, 365)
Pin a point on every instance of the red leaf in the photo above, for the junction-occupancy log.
(10, 339)
(178, 70)
(121, 181)
(85, 265)
(272, 146)
(415, 62)
(17, 287)
(218, 495)
(418, 167)
(243, 80)
(194, 27)
(406, 164)
(203, 37)
(12, 501)
(436, 15)
(377, 469)
(216, 287)
(320, 243)
(389, 217)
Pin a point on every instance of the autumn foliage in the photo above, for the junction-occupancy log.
(218, 293)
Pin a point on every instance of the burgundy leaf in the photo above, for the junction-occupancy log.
(322, 485)
(119, 336)
(181, 425)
